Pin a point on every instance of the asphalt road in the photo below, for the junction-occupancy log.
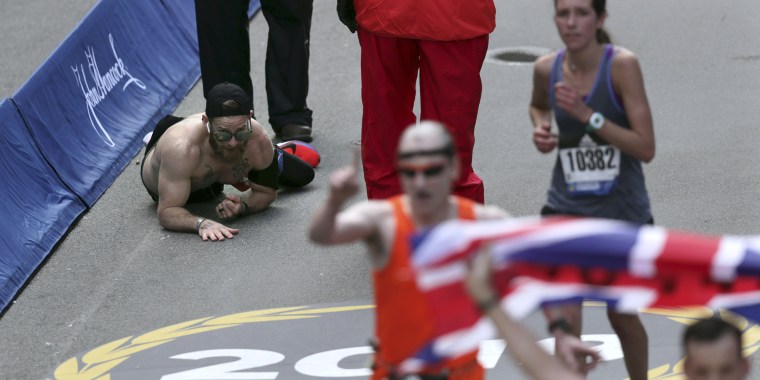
(118, 274)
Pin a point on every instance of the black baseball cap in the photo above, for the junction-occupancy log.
(223, 92)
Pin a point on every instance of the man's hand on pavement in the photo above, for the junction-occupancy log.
(214, 231)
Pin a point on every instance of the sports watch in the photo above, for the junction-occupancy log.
(561, 324)
(595, 122)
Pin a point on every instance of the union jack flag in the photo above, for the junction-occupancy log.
(540, 261)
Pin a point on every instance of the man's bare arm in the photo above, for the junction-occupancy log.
(260, 197)
(174, 186)
(254, 200)
(331, 226)
(540, 107)
(260, 150)
(359, 222)
(522, 345)
(520, 342)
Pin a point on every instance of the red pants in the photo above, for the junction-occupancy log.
(450, 90)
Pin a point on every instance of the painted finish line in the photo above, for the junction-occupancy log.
(331, 342)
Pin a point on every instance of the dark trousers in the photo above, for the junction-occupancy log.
(225, 54)
(287, 63)
(223, 44)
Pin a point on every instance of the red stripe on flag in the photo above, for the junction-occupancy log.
(685, 252)
(452, 301)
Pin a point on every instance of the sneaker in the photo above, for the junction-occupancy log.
(147, 137)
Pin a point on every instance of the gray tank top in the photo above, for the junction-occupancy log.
(624, 197)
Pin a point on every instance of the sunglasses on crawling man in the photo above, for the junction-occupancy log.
(222, 135)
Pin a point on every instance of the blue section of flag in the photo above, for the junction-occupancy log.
(751, 312)
(750, 264)
(608, 250)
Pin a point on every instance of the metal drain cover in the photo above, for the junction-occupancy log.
(521, 55)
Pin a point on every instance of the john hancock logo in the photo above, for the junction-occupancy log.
(102, 85)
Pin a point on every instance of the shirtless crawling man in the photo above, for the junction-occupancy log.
(189, 160)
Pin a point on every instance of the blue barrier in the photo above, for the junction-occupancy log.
(77, 122)
(36, 206)
(125, 66)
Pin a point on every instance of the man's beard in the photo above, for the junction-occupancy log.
(228, 155)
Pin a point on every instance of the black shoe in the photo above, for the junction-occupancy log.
(295, 132)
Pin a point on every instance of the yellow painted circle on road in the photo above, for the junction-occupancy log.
(97, 363)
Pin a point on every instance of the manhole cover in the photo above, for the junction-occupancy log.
(516, 56)
(523, 55)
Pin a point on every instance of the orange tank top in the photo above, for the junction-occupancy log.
(402, 319)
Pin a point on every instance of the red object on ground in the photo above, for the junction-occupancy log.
(303, 151)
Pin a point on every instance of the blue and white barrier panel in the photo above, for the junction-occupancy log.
(36, 207)
(77, 122)
(126, 65)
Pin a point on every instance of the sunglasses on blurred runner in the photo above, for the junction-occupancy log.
(410, 171)
(447, 151)
(241, 135)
